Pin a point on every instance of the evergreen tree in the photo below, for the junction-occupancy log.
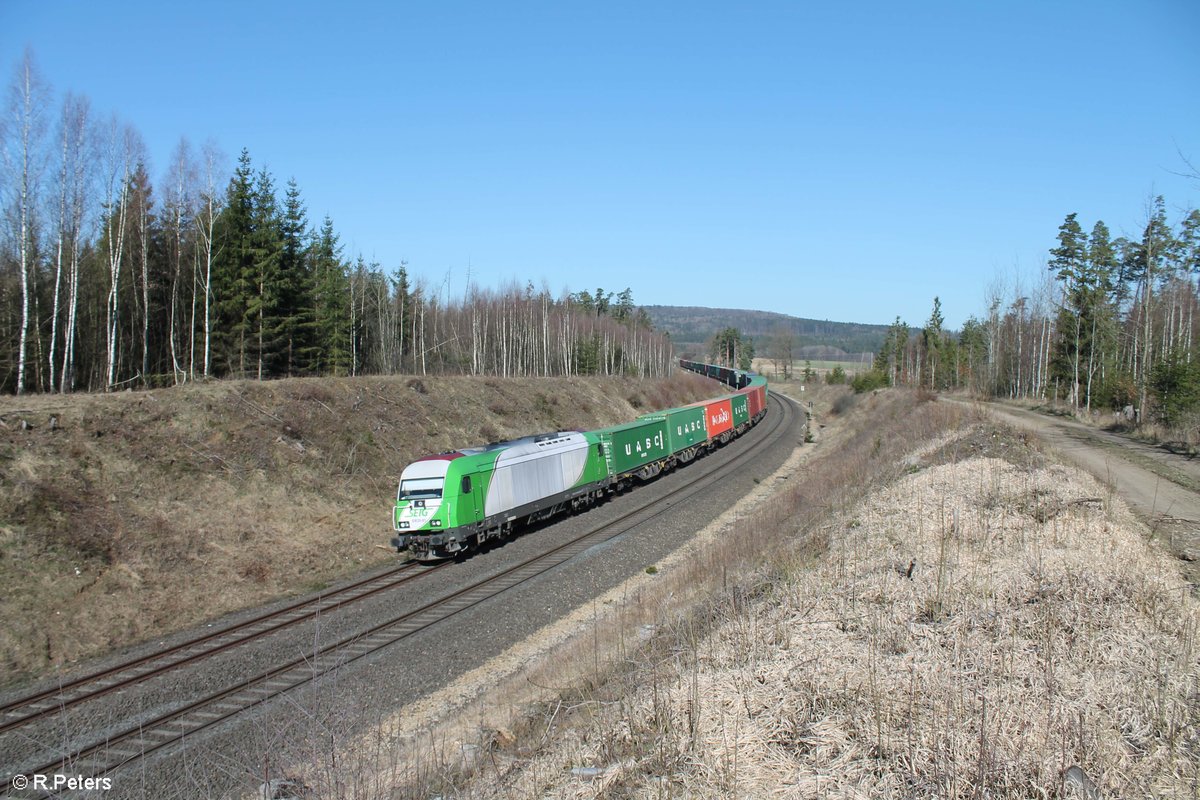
(890, 358)
(972, 354)
(603, 301)
(294, 326)
(1189, 243)
(1069, 264)
(1147, 266)
(331, 297)
(265, 307)
(730, 348)
(931, 338)
(1098, 326)
(623, 310)
(233, 271)
(403, 301)
(584, 300)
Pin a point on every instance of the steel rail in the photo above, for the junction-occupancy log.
(41, 705)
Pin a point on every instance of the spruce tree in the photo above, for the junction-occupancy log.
(331, 302)
(293, 331)
(263, 309)
(232, 271)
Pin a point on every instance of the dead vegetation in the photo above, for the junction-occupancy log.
(942, 612)
(119, 513)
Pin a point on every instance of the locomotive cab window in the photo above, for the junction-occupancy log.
(420, 489)
(466, 484)
(600, 449)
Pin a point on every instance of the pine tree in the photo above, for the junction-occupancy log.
(731, 349)
(1148, 264)
(623, 310)
(1099, 323)
(1069, 264)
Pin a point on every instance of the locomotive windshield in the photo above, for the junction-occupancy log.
(420, 489)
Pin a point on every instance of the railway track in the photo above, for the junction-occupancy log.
(121, 748)
(41, 705)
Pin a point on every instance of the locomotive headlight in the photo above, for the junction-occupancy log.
(437, 523)
(403, 524)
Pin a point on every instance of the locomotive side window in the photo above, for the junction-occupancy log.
(600, 450)
(466, 484)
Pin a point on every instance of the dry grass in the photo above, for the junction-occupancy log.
(1039, 645)
(120, 513)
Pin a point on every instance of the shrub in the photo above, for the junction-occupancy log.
(836, 377)
(843, 404)
(869, 381)
(1176, 386)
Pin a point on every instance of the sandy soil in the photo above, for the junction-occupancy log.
(1162, 487)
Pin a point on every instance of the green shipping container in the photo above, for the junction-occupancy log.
(741, 412)
(685, 427)
(633, 445)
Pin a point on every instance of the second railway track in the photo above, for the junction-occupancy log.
(40, 705)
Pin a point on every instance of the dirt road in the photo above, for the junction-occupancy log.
(1161, 486)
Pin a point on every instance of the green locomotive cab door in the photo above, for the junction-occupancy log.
(469, 508)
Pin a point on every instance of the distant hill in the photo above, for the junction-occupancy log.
(691, 328)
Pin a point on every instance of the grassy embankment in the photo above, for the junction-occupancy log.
(127, 516)
(1038, 646)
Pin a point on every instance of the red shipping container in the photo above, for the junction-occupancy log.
(718, 416)
(755, 399)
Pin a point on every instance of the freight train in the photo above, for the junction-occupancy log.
(451, 503)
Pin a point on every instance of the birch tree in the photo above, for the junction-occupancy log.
(212, 172)
(122, 150)
(73, 172)
(22, 135)
(179, 210)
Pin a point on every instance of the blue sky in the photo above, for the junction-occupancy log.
(835, 161)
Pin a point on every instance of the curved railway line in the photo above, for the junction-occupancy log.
(117, 749)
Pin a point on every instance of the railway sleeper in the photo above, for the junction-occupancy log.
(207, 715)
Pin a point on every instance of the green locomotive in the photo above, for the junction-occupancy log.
(453, 502)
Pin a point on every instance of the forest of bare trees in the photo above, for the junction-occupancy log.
(110, 278)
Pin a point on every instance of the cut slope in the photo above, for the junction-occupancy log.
(130, 515)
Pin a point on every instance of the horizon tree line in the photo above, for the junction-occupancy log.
(109, 279)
